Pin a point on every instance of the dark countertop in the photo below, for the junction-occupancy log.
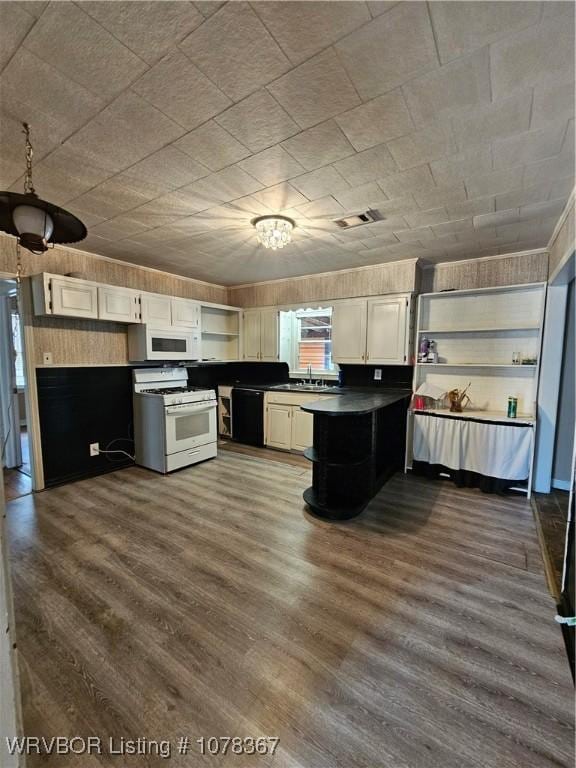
(355, 401)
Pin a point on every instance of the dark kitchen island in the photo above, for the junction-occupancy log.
(359, 442)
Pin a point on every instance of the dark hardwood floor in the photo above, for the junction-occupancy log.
(209, 603)
(551, 510)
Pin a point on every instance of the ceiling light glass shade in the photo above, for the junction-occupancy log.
(29, 220)
(274, 231)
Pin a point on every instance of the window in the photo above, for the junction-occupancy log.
(306, 339)
(17, 341)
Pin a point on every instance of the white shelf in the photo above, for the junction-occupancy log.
(475, 365)
(501, 329)
(220, 333)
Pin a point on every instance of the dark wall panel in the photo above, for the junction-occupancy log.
(79, 406)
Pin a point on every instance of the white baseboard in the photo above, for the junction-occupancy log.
(562, 485)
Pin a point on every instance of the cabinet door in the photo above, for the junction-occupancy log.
(279, 426)
(74, 298)
(302, 429)
(185, 314)
(155, 310)
(387, 329)
(269, 335)
(251, 334)
(349, 332)
(119, 304)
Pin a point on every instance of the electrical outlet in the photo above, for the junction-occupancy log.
(377, 374)
(47, 358)
(94, 449)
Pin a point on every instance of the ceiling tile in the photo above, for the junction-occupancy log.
(174, 204)
(408, 182)
(389, 50)
(527, 147)
(378, 7)
(169, 168)
(552, 104)
(258, 121)
(540, 54)
(181, 91)
(306, 29)
(470, 207)
(497, 219)
(545, 208)
(367, 166)
(118, 228)
(249, 57)
(15, 23)
(426, 218)
(324, 181)
(500, 119)
(125, 132)
(115, 196)
(362, 197)
(212, 146)
(209, 7)
(520, 197)
(224, 185)
(78, 46)
(149, 29)
(412, 235)
(562, 188)
(280, 197)
(316, 90)
(451, 227)
(401, 204)
(325, 207)
(552, 169)
(31, 88)
(380, 120)
(272, 166)
(430, 143)
(443, 92)
(463, 27)
(443, 196)
(64, 174)
(318, 146)
(462, 165)
(494, 183)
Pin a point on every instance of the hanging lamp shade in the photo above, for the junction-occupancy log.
(35, 222)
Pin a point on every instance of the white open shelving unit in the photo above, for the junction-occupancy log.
(220, 327)
(476, 334)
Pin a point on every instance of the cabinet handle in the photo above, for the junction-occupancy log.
(368, 356)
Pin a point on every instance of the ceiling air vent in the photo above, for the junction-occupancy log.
(358, 219)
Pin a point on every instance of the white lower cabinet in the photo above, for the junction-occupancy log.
(287, 426)
(279, 426)
(118, 304)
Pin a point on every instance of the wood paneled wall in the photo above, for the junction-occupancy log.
(93, 342)
(393, 277)
(564, 240)
(510, 269)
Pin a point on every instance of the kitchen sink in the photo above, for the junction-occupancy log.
(305, 387)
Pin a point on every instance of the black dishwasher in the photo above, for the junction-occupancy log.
(248, 416)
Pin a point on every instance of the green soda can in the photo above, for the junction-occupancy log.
(512, 407)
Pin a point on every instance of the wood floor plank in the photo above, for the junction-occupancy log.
(209, 602)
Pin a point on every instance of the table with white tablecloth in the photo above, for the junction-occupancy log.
(489, 454)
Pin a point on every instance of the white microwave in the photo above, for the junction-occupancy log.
(147, 343)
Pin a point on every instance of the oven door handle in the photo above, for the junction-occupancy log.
(176, 410)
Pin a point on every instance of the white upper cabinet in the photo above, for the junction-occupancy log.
(185, 313)
(156, 310)
(260, 334)
(251, 334)
(119, 304)
(349, 332)
(269, 335)
(74, 298)
(387, 331)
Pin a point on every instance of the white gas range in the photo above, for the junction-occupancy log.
(174, 425)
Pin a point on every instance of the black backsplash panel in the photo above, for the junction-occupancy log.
(79, 406)
(238, 373)
(393, 376)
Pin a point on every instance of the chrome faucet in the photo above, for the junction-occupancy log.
(309, 373)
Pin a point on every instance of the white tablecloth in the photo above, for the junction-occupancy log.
(494, 450)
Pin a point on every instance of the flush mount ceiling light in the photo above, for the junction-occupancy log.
(36, 223)
(273, 231)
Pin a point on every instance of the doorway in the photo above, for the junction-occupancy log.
(14, 442)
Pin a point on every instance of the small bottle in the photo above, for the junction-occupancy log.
(512, 407)
(432, 352)
(423, 350)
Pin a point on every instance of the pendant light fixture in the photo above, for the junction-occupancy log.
(273, 231)
(35, 223)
